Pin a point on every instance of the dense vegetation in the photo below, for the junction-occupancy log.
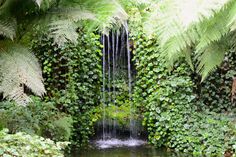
(21, 144)
(183, 89)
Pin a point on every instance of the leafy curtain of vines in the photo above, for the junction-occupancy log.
(73, 80)
(177, 108)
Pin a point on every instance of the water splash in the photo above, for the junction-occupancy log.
(111, 143)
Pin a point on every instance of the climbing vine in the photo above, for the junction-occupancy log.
(73, 80)
(174, 112)
(215, 92)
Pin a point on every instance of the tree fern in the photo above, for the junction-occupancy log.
(9, 15)
(65, 29)
(103, 14)
(210, 57)
(200, 24)
(19, 68)
(8, 27)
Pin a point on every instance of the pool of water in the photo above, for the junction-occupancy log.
(123, 152)
(138, 151)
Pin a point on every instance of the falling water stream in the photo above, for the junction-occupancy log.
(116, 58)
(132, 122)
(103, 86)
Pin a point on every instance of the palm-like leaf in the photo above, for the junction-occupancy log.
(8, 27)
(201, 24)
(103, 14)
(19, 68)
(8, 17)
(210, 57)
(63, 31)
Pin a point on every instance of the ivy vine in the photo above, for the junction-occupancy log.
(73, 80)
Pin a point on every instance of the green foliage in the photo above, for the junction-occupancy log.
(22, 144)
(121, 93)
(84, 126)
(63, 27)
(148, 72)
(101, 15)
(172, 103)
(7, 28)
(73, 80)
(215, 91)
(39, 118)
(19, 68)
(202, 28)
(173, 121)
(120, 113)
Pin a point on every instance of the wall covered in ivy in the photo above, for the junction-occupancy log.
(178, 109)
(215, 91)
(72, 76)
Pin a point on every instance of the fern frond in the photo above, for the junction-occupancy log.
(178, 45)
(209, 58)
(108, 12)
(194, 11)
(213, 29)
(232, 16)
(17, 94)
(63, 31)
(19, 68)
(113, 17)
(8, 27)
(173, 36)
(201, 24)
(75, 14)
(103, 14)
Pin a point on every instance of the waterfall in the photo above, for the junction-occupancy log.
(103, 85)
(116, 59)
(132, 121)
(109, 68)
(114, 51)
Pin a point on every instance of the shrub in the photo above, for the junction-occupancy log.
(24, 145)
(172, 120)
(39, 118)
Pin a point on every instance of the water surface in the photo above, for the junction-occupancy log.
(140, 151)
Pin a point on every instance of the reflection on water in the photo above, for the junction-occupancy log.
(141, 151)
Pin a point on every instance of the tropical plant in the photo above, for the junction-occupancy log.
(19, 69)
(205, 28)
(41, 118)
(103, 15)
(62, 19)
